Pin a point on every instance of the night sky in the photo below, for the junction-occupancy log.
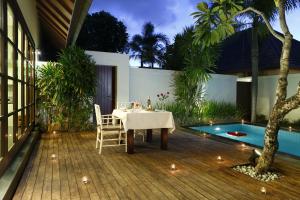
(168, 16)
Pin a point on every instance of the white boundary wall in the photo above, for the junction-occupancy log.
(150, 82)
(138, 84)
(266, 94)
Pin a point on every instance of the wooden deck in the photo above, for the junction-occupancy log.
(146, 174)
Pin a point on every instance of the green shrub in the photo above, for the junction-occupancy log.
(212, 110)
(66, 89)
(208, 110)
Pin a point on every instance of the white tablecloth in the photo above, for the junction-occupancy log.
(142, 119)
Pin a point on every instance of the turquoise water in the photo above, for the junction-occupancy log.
(289, 142)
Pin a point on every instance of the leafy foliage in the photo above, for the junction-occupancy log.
(208, 110)
(220, 110)
(215, 22)
(176, 52)
(66, 89)
(149, 47)
(103, 32)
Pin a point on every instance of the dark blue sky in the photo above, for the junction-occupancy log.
(168, 16)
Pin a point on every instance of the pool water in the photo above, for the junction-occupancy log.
(289, 142)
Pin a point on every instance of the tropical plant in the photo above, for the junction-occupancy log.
(208, 110)
(48, 79)
(149, 47)
(78, 84)
(103, 32)
(213, 110)
(199, 62)
(215, 22)
(175, 54)
(258, 30)
(66, 89)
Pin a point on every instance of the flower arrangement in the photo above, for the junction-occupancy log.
(162, 97)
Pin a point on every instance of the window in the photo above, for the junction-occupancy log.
(10, 56)
(17, 79)
(10, 23)
(20, 37)
(10, 96)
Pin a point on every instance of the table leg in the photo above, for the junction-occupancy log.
(130, 142)
(164, 138)
(149, 135)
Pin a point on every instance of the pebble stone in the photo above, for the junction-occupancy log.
(250, 170)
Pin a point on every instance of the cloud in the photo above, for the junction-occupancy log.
(168, 16)
(156, 11)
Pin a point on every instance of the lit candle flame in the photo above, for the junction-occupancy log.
(53, 156)
(290, 128)
(219, 158)
(243, 121)
(85, 179)
(173, 167)
(263, 190)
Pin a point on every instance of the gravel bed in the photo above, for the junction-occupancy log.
(250, 170)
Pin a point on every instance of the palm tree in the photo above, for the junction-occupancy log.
(269, 9)
(149, 47)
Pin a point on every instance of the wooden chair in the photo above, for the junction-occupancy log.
(107, 126)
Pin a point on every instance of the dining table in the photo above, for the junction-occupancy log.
(140, 119)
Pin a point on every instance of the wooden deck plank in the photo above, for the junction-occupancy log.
(146, 174)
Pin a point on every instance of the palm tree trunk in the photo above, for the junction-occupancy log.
(142, 62)
(254, 66)
(282, 105)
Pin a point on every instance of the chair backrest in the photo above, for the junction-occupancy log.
(98, 115)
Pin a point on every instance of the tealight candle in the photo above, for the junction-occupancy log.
(219, 158)
(53, 156)
(243, 121)
(243, 145)
(211, 123)
(85, 179)
(173, 167)
(54, 132)
(263, 190)
(290, 128)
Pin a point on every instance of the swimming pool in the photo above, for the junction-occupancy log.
(289, 142)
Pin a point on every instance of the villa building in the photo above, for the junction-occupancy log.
(27, 28)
